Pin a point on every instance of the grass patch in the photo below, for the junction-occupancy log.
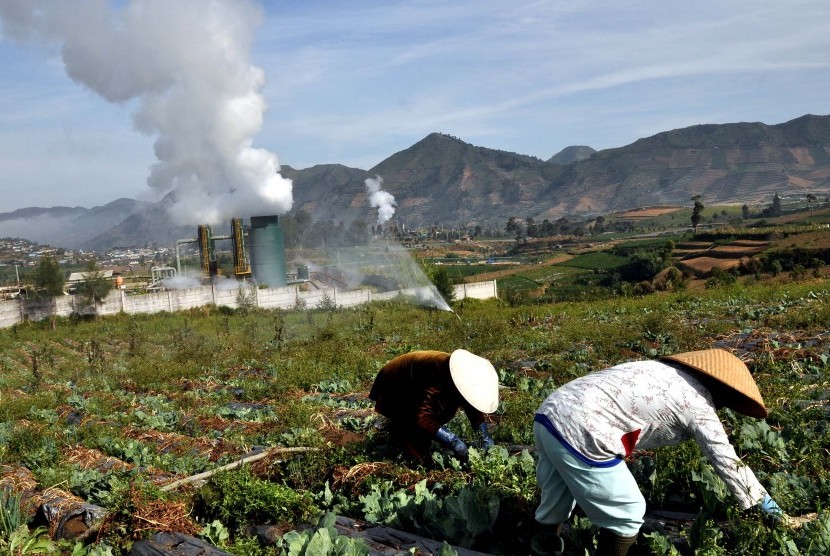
(600, 260)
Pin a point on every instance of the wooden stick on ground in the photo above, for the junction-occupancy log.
(248, 459)
(798, 521)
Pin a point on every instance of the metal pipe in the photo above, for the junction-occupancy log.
(178, 260)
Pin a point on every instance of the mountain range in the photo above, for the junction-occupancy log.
(444, 180)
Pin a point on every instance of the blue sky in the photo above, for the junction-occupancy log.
(355, 82)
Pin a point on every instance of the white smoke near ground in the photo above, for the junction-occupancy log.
(225, 283)
(380, 199)
(397, 265)
(387, 268)
(414, 280)
(183, 65)
(193, 279)
(182, 282)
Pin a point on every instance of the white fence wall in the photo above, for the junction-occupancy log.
(477, 290)
(353, 298)
(18, 310)
(10, 313)
(148, 303)
(272, 298)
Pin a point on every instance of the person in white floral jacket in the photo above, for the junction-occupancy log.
(585, 429)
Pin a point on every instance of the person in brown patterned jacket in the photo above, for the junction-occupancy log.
(419, 392)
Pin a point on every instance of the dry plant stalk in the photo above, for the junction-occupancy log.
(798, 521)
(161, 515)
(250, 459)
(89, 458)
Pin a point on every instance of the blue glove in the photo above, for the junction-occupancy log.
(770, 508)
(487, 441)
(450, 440)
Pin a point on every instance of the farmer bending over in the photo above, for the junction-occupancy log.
(419, 392)
(584, 429)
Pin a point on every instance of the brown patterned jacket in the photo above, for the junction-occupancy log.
(416, 392)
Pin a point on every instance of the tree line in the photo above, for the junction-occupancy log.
(49, 283)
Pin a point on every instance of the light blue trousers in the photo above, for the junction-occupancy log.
(609, 496)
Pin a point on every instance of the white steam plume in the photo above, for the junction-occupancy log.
(185, 65)
(380, 199)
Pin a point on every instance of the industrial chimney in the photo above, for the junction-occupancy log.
(207, 251)
(241, 266)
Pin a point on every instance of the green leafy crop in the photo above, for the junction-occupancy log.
(239, 497)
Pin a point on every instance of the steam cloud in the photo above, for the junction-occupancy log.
(380, 199)
(185, 64)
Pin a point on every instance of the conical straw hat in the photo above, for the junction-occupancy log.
(730, 371)
(476, 379)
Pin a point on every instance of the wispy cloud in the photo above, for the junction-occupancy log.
(353, 84)
(478, 68)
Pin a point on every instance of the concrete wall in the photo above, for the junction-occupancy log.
(477, 290)
(289, 297)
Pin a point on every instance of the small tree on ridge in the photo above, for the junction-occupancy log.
(697, 209)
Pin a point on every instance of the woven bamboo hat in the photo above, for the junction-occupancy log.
(731, 372)
(476, 380)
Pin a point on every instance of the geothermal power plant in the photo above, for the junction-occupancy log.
(258, 255)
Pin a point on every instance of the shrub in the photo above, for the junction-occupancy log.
(720, 277)
(444, 284)
(798, 272)
(750, 265)
(642, 266)
(239, 497)
(672, 280)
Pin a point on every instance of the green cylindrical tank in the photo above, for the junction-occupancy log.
(267, 251)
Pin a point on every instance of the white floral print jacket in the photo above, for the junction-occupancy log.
(604, 416)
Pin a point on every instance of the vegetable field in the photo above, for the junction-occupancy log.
(99, 419)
